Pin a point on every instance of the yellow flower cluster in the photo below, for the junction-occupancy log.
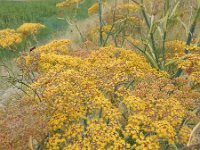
(190, 63)
(58, 124)
(134, 20)
(55, 141)
(192, 48)
(133, 41)
(51, 54)
(146, 143)
(150, 115)
(164, 130)
(57, 47)
(131, 7)
(93, 9)
(184, 135)
(30, 28)
(67, 3)
(177, 48)
(101, 135)
(9, 37)
(107, 28)
(121, 18)
(110, 99)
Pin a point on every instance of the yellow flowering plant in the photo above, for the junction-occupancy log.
(110, 99)
(138, 90)
(67, 3)
(119, 25)
(123, 23)
(30, 28)
(9, 37)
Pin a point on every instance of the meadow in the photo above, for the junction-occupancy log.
(126, 76)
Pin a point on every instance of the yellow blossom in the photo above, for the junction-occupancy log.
(30, 28)
(67, 3)
(9, 37)
(129, 7)
(93, 9)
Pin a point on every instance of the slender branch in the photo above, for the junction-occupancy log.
(163, 48)
(193, 132)
(152, 39)
(135, 2)
(31, 89)
(153, 43)
(109, 33)
(190, 37)
(80, 33)
(149, 57)
(144, 14)
(191, 147)
(100, 23)
(192, 29)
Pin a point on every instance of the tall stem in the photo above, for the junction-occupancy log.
(100, 23)
(190, 37)
(163, 48)
(192, 29)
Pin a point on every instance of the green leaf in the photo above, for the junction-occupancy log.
(151, 24)
(174, 10)
(170, 62)
(165, 21)
(184, 25)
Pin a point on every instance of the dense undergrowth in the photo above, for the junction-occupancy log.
(133, 83)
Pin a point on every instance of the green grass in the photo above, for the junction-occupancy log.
(15, 13)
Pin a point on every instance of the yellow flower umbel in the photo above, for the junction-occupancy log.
(190, 64)
(184, 134)
(93, 9)
(47, 56)
(165, 131)
(67, 3)
(9, 37)
(30, 28)
(131, 7)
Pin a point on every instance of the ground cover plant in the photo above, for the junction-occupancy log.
(132, 83)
